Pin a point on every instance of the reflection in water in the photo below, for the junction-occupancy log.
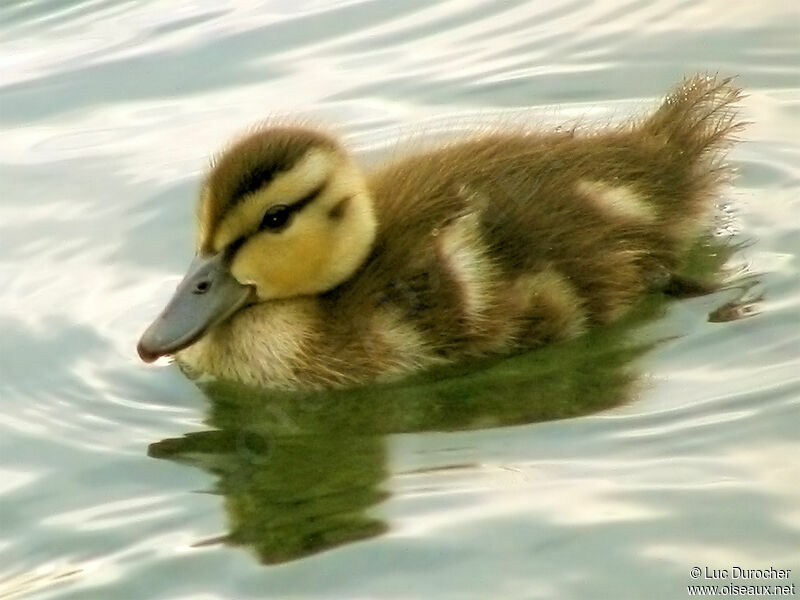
(300, 471)
(289, 490)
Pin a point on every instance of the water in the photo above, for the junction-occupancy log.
(109, 111)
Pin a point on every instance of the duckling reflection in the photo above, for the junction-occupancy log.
(302, 473)
(291, 488)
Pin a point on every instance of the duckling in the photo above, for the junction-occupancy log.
(311, 273)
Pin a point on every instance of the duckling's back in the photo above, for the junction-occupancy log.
(513, 239)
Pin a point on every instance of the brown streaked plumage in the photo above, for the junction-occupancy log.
(311, 273)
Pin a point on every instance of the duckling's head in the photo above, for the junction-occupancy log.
(284, 212)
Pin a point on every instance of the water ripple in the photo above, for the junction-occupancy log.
(109, 113)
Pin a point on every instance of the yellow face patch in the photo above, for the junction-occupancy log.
(285, 264)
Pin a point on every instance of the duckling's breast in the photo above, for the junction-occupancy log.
(260, 345)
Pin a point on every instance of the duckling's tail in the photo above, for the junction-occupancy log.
(699, 117)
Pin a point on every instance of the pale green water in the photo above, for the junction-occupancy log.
(109, 112)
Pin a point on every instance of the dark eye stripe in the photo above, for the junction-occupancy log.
(278, 216)
(305, 200)
(233, 247)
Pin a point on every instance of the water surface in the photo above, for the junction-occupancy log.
(109, 112)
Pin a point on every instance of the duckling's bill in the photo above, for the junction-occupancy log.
(208, 295)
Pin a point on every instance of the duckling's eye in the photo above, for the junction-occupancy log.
(276, 217)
